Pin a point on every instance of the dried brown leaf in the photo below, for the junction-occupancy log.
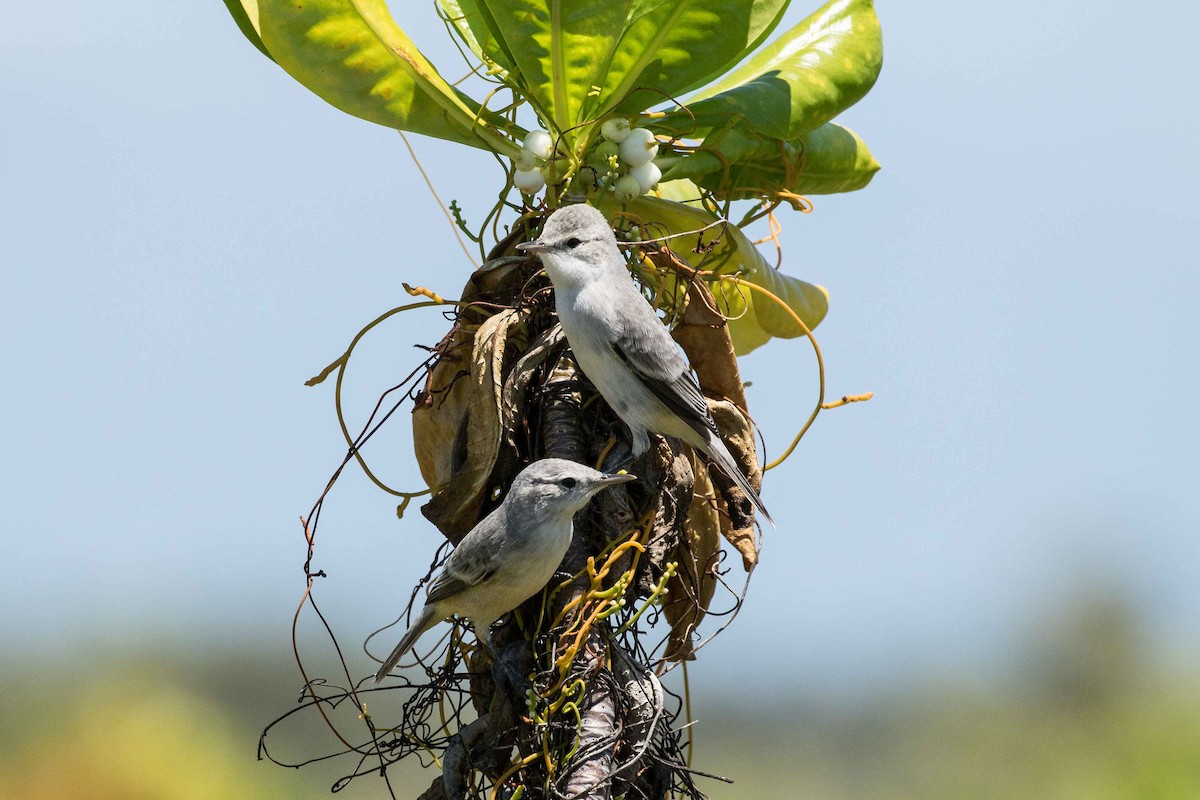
(692, 587)
(704, 336)
(455, 507)
(441, 408)
(439, 417)
(737, 432)
(513, 407)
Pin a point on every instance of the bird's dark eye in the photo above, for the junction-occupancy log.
(572, 243)
(569, 482)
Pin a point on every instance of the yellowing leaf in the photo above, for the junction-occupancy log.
(754, 318)
(352, 54)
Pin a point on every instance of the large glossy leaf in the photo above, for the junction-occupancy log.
(578, 60)
(454, 13)
(738, 164)
(669, 47)
(802, 80)
(557, 48)
(829, 160)
(353, 55)
(245, 14)
(681, 191)
(477, 27)
(754, 318)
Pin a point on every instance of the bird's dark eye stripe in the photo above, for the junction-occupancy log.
(569, 482)
(572, 243)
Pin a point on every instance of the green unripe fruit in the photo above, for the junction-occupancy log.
(627, 189)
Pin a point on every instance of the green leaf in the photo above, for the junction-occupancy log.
(579, 60)
(754, 317)
(745, 332)
(475, 25)
(714, 249)
(557, 48)
(738, 164)
(681, 191)
(669, 47)
(454, 14)
(354, 56)
(805, 78)
(245, 14)
(829, 160)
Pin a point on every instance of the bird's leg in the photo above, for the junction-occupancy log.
(641, 441)
(485, 637)
(623, 464)
(508, 674)
(505, 674)
(621, 457)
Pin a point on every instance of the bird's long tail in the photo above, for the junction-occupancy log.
(424, 622)
(725, 462)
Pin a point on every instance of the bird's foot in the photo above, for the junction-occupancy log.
(509, 669)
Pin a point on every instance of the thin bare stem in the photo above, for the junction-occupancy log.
(441, 205)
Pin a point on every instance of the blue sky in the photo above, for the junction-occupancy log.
(188, 235)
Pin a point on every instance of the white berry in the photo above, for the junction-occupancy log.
(639, 147)
(525, 161)
(647, 175)
(615, 129)
(529, 181)
(539, 143)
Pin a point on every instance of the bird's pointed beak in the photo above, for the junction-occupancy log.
(533, 247)
(616, 479)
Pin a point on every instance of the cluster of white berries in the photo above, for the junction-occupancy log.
(624, 161)
(630, 151)
(536, 149)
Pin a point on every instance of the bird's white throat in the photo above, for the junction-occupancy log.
(569, 273)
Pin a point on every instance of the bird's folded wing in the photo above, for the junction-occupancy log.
(466, 567)
(660, 368)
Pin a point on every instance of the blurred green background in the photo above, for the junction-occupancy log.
(984, 583)
(1083, 710)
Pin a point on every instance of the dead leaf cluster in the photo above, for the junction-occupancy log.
(504, 391)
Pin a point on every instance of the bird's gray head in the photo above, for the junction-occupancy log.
(576, 246)
(555, 487)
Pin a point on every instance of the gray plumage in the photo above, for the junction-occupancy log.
(619, 342)
(511, 554)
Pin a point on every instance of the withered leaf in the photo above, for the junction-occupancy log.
(512, 406)
(738, 435)
(442, 407)
(455, 506)
(691, 589)
(704, 336)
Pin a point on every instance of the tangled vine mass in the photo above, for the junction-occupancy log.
(578, 708)
(573, 700)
